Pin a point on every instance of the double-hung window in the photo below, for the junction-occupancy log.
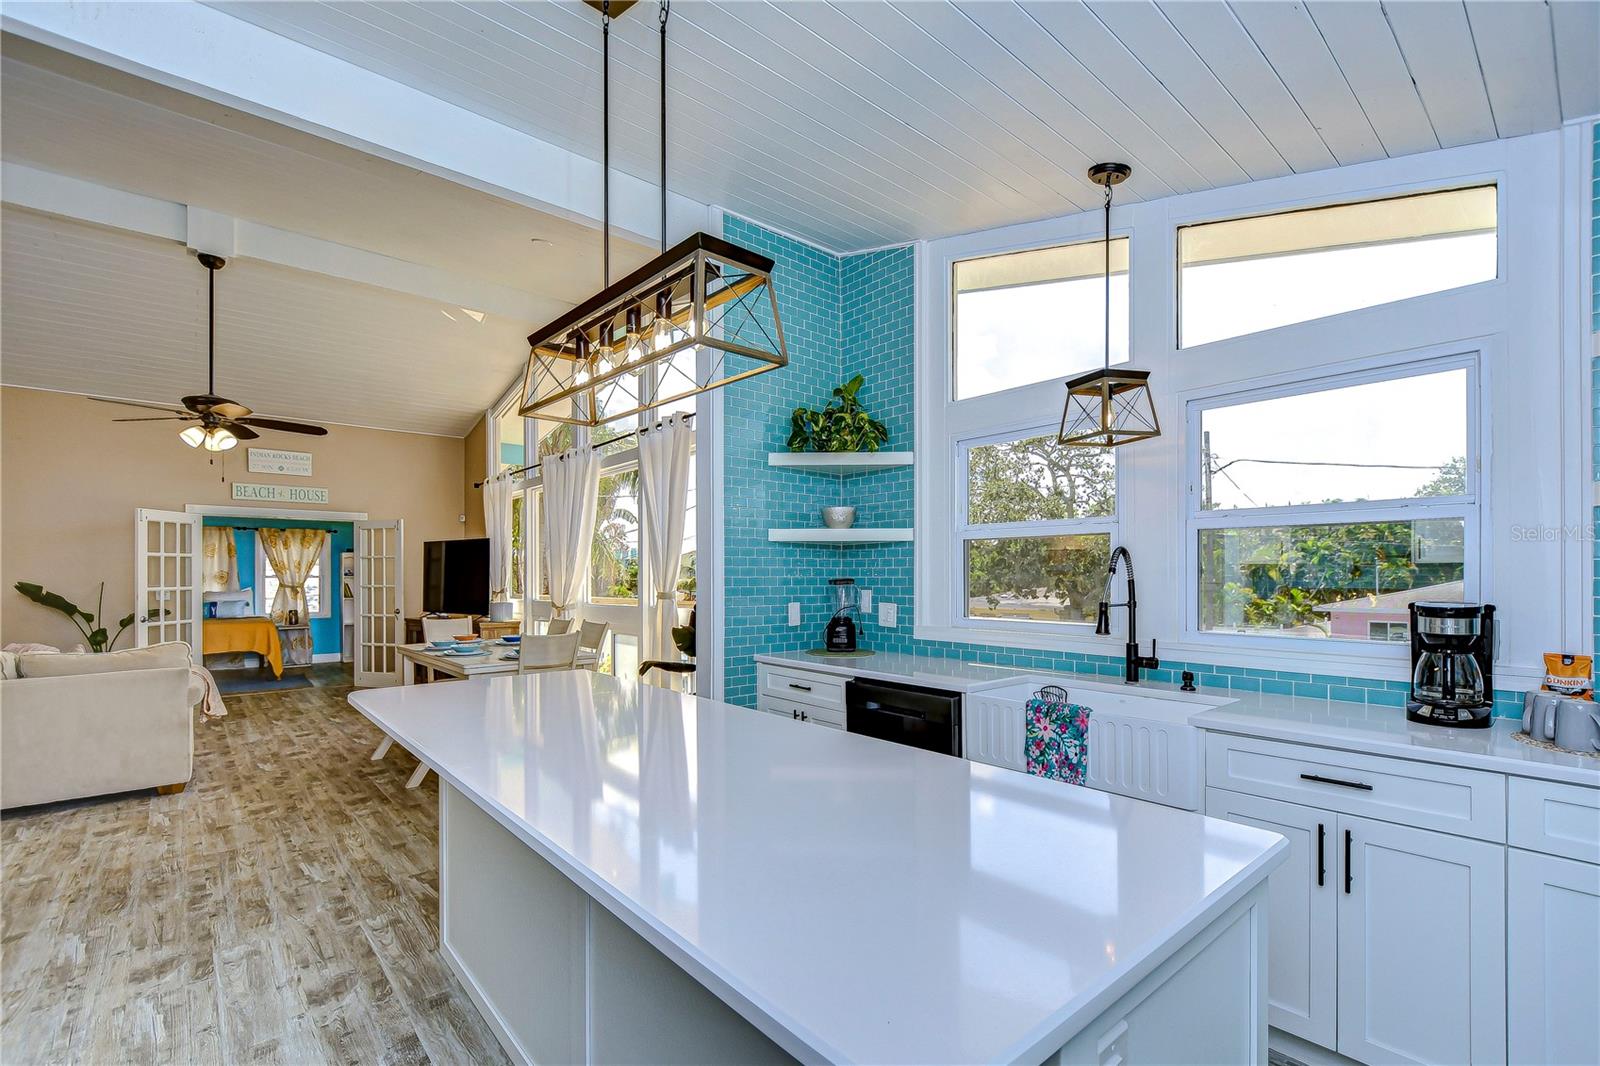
(1322, 509)
(1036, 528)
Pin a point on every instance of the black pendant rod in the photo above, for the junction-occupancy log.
(211, 331)
(605, 122)
(1108, 276)
(666, 10)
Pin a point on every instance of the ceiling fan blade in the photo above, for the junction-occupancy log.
(215, 405)
(158, 418)
(281, 426)
(243, 432)
(167, 407)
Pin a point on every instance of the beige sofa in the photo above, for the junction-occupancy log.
(80, 724)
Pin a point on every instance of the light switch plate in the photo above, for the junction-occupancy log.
(866, 601)
(794, 614)
(888, 615)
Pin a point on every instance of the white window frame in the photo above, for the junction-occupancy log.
(968, 531)
(1530, 326)
(264, 566)
(1470, 507)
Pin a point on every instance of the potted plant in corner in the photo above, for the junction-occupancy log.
(99, 639)
(842, 426)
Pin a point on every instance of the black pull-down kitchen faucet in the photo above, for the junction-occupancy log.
(1134, 662)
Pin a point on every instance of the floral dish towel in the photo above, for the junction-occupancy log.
(1058, 740)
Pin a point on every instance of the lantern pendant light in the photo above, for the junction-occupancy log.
(1106, 408)
(699, 316)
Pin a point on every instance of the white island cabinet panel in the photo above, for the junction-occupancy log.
(744, 888)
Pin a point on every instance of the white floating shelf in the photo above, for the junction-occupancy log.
(839, 462)
(823, 535)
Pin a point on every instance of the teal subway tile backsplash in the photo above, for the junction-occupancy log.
(856, 315)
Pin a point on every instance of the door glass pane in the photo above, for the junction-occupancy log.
(1035, 315)
(1328, 580)
(614, 556)
(1250, 274)
(1037, 579)
(1037, 479)
(1360, 442)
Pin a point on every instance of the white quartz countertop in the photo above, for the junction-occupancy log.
(952, 675)
(858, 901)
(1385, 731)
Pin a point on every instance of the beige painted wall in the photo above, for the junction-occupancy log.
(70, 480)
(474, 457)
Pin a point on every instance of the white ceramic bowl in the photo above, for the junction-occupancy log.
(838, 517)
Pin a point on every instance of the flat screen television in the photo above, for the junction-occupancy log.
(455, 576)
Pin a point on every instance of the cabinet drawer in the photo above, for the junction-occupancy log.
(1467, 802)
(1554, 818)
(801, 712)
(817, 690)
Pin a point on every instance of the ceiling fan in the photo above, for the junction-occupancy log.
(219, 423)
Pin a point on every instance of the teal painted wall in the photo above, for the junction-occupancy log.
(325, 632)
(856, 314)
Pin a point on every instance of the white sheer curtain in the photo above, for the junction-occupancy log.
(497, 523)
(571, 480)
(664, 491)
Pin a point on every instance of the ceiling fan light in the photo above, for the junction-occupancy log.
(193, 436)
(218, 439)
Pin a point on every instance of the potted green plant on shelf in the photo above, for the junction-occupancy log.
(842, 426)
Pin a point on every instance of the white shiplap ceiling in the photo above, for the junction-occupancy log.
(860, 124)
(100, 311)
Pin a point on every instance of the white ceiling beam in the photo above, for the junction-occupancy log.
(211, 231)
(208, 53)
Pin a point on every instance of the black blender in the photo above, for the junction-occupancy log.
(840, 636)
(1452, 663)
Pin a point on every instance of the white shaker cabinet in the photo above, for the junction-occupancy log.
(1553, 956)
(1302, 894)
(1422, 935)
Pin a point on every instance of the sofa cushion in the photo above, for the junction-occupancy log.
(70, 664)
(8, 665)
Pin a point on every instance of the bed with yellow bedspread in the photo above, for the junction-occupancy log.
(225, 636)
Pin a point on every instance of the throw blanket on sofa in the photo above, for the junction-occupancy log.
(210, 696)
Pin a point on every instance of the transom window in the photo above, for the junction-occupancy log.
(1246, 275)
(1038, 525)
(1030, 316)
(1324, 512)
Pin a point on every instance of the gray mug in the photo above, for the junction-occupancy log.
(1539, 714)
(1577, 725)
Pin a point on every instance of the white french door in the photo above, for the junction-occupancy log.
(166, 579)
(380, 594)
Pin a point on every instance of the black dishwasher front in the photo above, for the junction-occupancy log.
(905, 714)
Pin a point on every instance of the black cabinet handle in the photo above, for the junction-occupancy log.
(1322, 862)
(802, 688)
(1362, 785)
(795, 715)
(1347, 875)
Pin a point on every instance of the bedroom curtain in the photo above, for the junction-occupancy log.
(219, 557)
(292, 553)
(497, 523)
(571, 480)
(664, 490)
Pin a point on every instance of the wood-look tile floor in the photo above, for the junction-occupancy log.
(283, 908)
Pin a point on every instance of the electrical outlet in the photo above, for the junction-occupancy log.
(794, 614)
(888, 615)
(866, 601)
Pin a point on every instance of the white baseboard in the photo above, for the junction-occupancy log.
(328, 657)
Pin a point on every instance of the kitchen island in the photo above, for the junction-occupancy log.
(629, 874)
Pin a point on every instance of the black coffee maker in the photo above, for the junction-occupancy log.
(1452, 663)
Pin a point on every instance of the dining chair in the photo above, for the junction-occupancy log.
(559, 652)
(591, 638)
(445, 628)
(557, 626)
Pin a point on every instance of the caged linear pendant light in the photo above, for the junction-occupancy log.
(1105, 407)
(699, 316)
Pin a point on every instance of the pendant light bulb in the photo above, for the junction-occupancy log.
(634, 337)
(663, 324)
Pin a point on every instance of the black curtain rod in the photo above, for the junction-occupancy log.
(626, 436)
